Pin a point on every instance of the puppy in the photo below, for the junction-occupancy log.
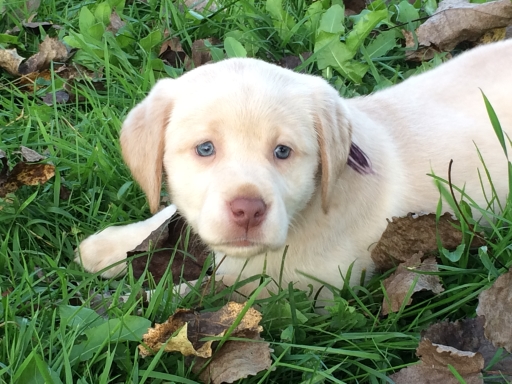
(258, 157)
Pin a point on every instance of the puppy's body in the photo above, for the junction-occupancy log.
(329, 214)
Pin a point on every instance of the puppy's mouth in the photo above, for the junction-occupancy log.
(242, 247)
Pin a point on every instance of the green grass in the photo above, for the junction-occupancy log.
(48, 332)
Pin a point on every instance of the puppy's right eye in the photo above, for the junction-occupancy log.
(205, 149)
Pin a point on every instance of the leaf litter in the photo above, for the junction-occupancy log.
(456, 21)
(398, 285)
(186, 330)
(24, 172)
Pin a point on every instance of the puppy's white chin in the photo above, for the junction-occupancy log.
(244, 251)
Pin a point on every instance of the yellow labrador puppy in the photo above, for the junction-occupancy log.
(258, 157)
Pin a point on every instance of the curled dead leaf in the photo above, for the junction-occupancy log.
(399, 283)
(10, 60)
(456, 21)
(409, 235)
(51, 49)
(115, 23)
(468, 335)
(30, 155)
(433, 368)
(495, 304)
(23, 173)
(186, 264)
(235, 360)
(190, 327)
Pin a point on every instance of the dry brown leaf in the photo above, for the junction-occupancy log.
(418, 54)
(409, 235)
(10, 60)
(200, 53)
(24, 174)
(468, 335)
(170, 235)
(235, 360)
(51, 49)
(115, 23)
(194, 326)
(456, 21)
(354, 7)
(495, 304)
(433, 368)
(172, 52)
(61, 97)
(30, 155)
(399, 283)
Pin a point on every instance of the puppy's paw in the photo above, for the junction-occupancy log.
(102, 250)
(110, 246)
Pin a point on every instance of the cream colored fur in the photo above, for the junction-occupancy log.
(329, 214)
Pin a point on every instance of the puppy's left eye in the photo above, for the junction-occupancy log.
(205, 149)
(282, 152)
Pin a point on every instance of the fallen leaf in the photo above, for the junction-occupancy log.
(495, 304)
(292, 62)
(235, 360)
(64, 193)
(200, 53)
(61, 97)
(399, 283)
(187, 263)
(30, 155)
(354, 7)
(418, 53)
(172, 52)
(23, 173)
(468, 335)
(414, 233)
(433, 368)
(115, 23)
(50, 50)
(191, 327)
(10, 60)
(456, 21)
(35, 26)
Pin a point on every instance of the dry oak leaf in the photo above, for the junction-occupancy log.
(456, 21)
(433, 368)
(399, 283)
(30, 155)
(51, 49)
(418, 54)
(10, 60)
(200, 53)
(163, 241)
(194, 326)
(235, 360)
(115, 23)
(24, 174)
(468, 335)
(495, 304)
(172, 52)
(406, 236)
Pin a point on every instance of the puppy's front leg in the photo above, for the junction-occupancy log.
(111, 245)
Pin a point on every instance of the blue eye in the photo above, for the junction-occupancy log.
(205, 149)
(282, 152)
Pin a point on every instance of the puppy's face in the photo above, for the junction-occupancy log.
(242, 144)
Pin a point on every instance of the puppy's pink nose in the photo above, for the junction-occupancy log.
(247, 212)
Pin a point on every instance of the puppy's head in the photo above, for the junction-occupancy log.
(245, 145)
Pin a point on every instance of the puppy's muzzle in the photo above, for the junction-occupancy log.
(247, 212)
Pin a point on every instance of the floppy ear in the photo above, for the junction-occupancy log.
(142, 140)
(334, 134)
